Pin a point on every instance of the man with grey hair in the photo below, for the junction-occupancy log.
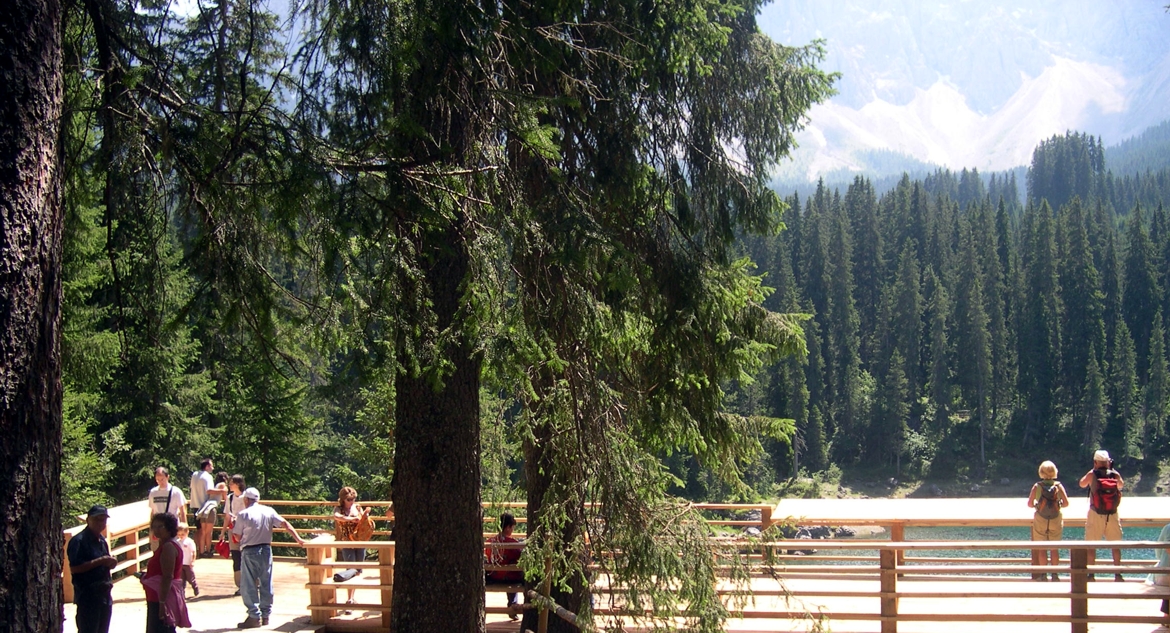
(254, 526)
(1103, 523)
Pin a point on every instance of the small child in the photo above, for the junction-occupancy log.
(188, 545)
(1048, 497)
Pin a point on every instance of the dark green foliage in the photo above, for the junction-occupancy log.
(1141, 298)
(1156, 393)
(1015, 329)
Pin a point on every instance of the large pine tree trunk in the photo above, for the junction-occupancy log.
(30, 316)
(439, 582)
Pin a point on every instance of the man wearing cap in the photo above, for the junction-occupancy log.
(90, 564)
(1101, 525)
(254, 525)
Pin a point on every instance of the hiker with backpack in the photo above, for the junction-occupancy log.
(1048, 497)
(1103, 523)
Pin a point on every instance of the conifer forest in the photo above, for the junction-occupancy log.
(452, 252)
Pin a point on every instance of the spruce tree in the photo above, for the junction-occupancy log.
(939, 378)
(1142, 296)
(995, 293)
(1093, 408)
(1125, 426)
(1082, 320)
(972, 349)
(868, 267)
(843, 346)
(906, 327)
(890, 416)
(1156, 393)
(30, 291)
(1039, 327)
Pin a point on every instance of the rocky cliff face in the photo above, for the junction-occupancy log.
(975, 83)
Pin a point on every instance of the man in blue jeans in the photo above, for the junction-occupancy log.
(254, 526)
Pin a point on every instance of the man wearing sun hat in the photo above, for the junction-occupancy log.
(1103, 523)
(254, 526)
(90, 564)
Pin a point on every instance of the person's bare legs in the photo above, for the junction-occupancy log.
(1054, 560)
(1117, 563)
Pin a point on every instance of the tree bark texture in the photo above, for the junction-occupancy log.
(439, 582)
(30, 316)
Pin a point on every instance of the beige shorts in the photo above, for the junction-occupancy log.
(1047, 529)
(1102, 527)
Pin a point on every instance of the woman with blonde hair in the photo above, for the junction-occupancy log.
(1048, 497)
(349, 517)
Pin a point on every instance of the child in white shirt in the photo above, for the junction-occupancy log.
(188, 545)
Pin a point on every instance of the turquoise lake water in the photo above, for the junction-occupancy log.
(1022, 534)
(1015, 534)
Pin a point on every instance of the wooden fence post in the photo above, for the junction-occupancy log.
(1079, 601)
(386, 579)
(898, 534)
(134, 553)
(318, 597)
(765, 518)
(889, 587)
(66, 573)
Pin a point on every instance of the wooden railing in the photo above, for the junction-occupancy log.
(320, 561)
(872, 588)
(866, 579)
(128, 533)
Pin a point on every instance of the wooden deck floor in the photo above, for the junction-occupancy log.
(216, 610)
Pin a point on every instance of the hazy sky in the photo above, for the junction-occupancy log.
(976, 83)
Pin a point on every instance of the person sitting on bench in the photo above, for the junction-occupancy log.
(505, 556)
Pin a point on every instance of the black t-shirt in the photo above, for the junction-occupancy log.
(84, 547)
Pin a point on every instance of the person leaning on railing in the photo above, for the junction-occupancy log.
(1048, 497)
(352, 523)
(254, 526)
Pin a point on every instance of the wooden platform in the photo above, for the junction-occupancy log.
(216, 610)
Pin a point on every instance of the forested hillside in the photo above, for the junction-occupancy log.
(1148, 151)
(950, 328)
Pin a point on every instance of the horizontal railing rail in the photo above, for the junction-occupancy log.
(868, 579)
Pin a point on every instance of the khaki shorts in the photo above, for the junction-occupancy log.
(1047, 529)
(1102, 527)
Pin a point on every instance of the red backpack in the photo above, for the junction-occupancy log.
(1106, 495)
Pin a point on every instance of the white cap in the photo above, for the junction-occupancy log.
(1101, 456)
(252, 493)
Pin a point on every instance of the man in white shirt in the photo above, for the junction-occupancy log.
(254, 526)
(166, 499)
(203, 505)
